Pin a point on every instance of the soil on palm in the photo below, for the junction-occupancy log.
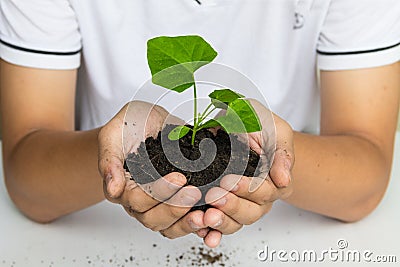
(156, 157)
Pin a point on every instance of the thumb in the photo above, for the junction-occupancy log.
(111, 159)
(280, 171)
(114, 180)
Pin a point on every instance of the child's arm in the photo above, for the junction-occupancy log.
(344, 172)
(50, 170)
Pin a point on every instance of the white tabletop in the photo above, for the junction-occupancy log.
(104, 235)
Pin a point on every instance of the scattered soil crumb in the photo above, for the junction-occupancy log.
(200, 256)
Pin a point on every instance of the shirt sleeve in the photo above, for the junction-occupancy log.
(359, 34)
(40, 34)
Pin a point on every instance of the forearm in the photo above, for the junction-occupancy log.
(342, 176)
(50, 174)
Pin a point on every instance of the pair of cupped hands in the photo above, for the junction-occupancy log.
(166, 209)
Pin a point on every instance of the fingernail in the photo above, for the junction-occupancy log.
(217, 223)
(231, 183)
(188, 199)
(289, 176)
(110, 186)
(220, 202)
(173, 186)
(202, 232)
(176, 183)
(108, 178)
(286, 182)
(194, 226)
(235, 188)
(287, 164)
(109, 183)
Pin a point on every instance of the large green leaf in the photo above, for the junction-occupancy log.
(176, 78)
(173, 60)
(240, 118)
(223, 97)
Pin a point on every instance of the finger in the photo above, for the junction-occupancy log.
(169, 118)
(239, 185)
(217, 220)
(190, 223)
(281, 168)
(284, 149)
(241, 210)
(213, 238)
(203, 232)
(164, 215)
(129, 186)
(114, 184)
(143, 197)
(263, 142)
(142, 120)
(166, 186)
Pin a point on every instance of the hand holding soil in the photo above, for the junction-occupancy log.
(141, 120)
(241, 200)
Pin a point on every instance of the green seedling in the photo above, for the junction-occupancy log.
(173, 62)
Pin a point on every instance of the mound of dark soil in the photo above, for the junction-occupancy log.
(160, 156)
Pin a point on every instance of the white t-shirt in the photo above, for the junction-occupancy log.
(278, 44)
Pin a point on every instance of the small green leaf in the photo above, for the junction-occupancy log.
(209, 124)
(223, 97)
(178, 132)
(180, 57)
(240, 118)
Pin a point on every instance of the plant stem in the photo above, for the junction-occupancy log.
(193, 135)
(202, 116)
(195, 117)
(205, 111)
(206, 115)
